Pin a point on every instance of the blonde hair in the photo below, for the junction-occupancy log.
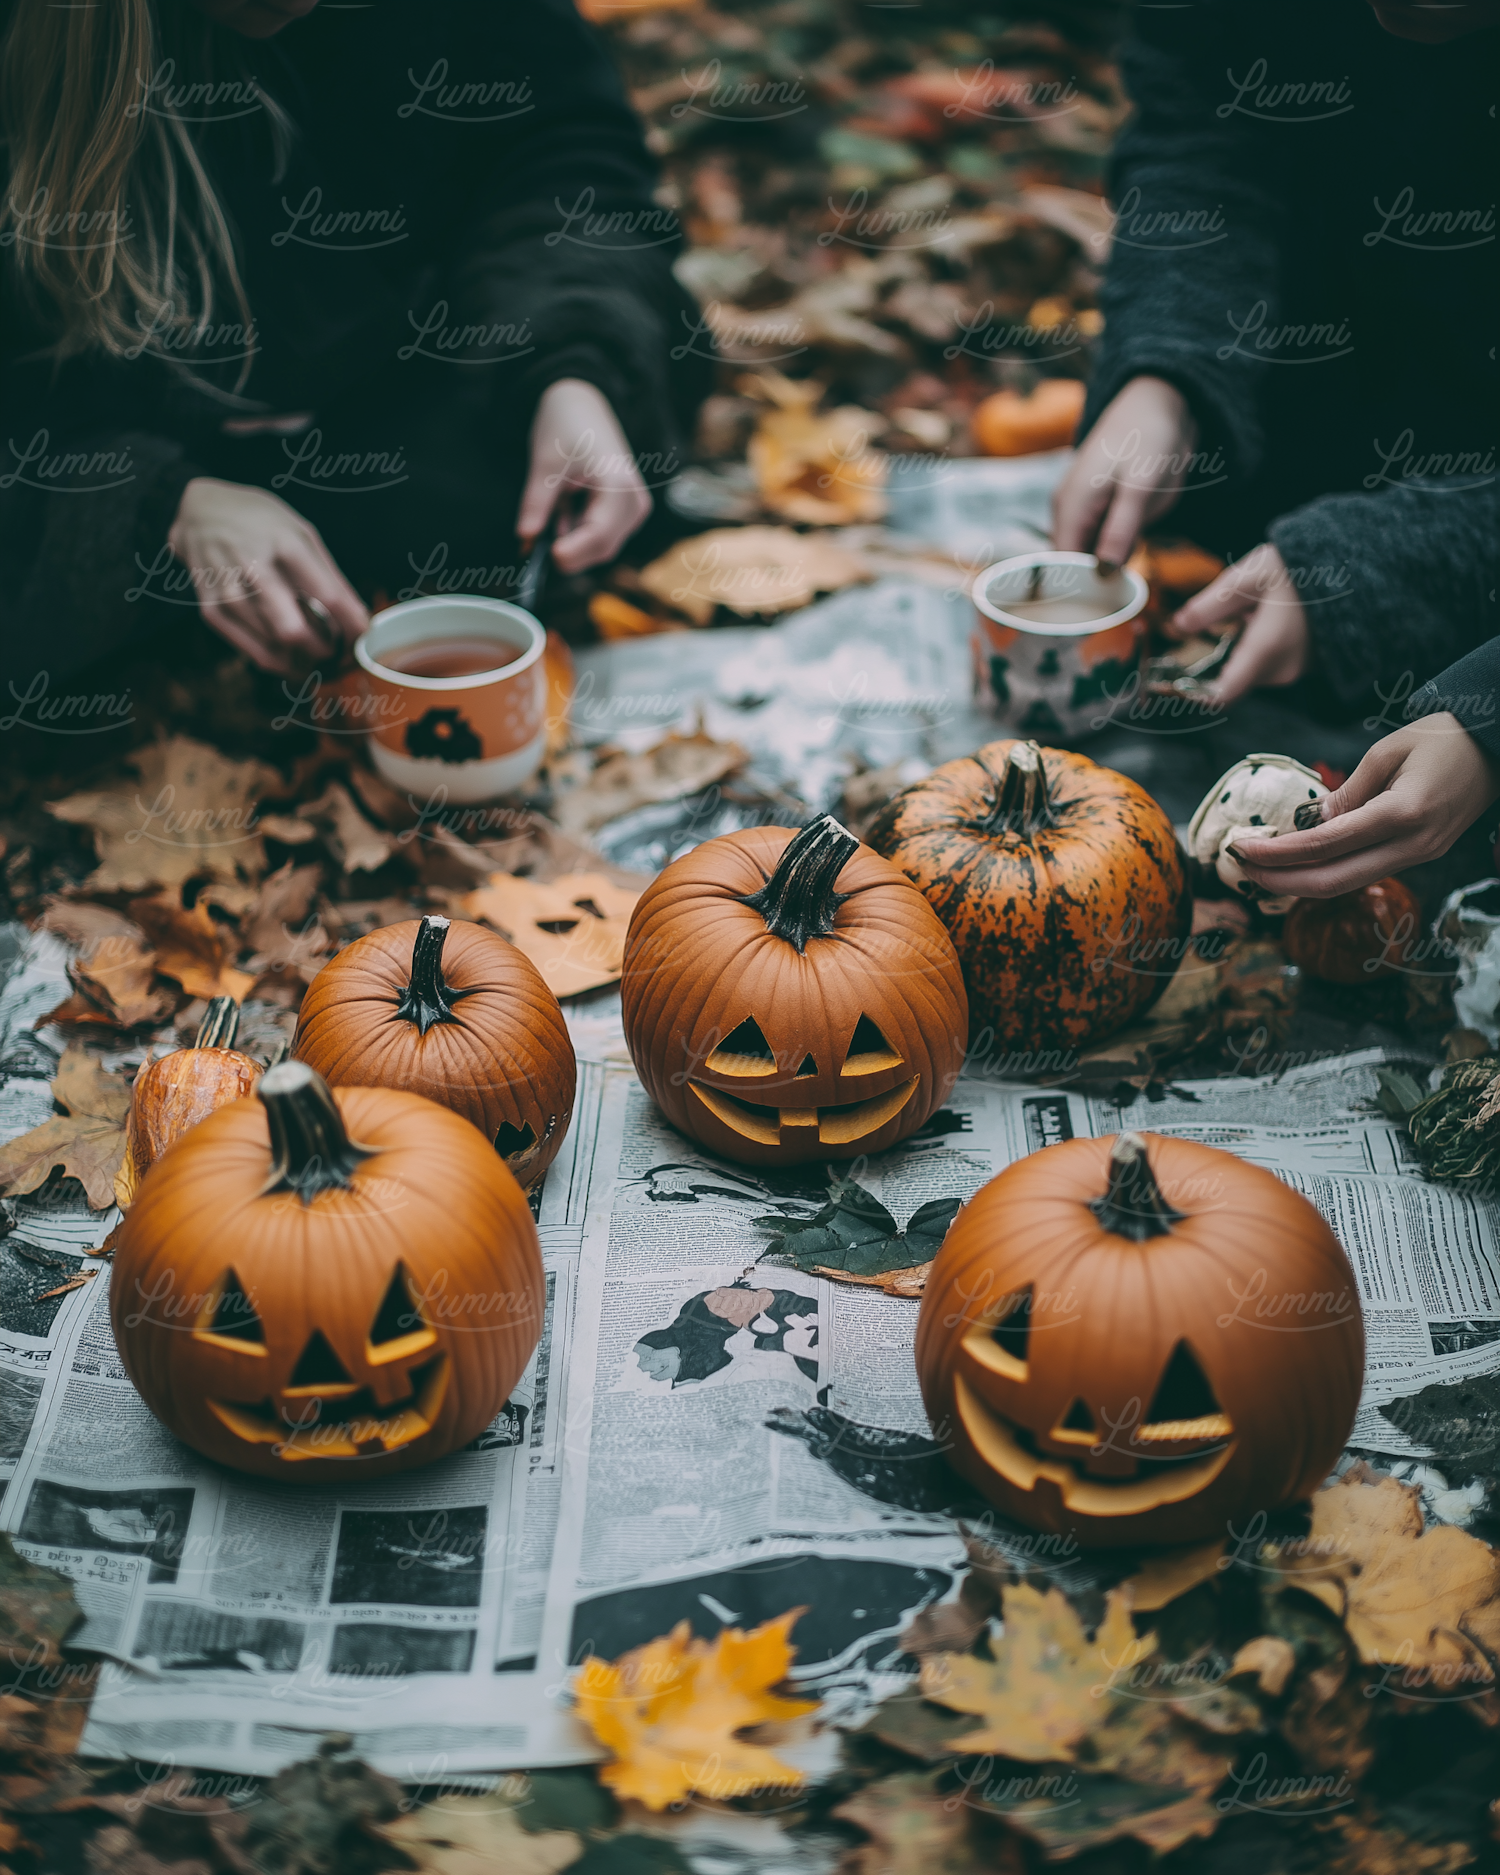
(117, 236)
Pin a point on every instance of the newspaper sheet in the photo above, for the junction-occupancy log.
(654, 1463)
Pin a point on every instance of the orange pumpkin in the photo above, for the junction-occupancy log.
(1060, 883)
(320, 1287)
(1356, 937)
(790, 997)
(1008, 424)
(457, 1014)
(1140, 1340)
(174, 1092)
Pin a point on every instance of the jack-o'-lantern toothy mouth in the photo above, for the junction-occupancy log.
(837, 1125)
(340, 1421)
(1011, 1453)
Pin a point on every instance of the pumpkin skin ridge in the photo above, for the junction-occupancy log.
(525, 1073)
(1118, 1281)
(927, 826)
(317, 1257)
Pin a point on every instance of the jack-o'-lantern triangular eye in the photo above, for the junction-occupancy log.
(1183, 1391)
(744, 1050)
(512, 1141)
(231, 1317)
(399, 1330)
(869, 1051)
(1000, 1338)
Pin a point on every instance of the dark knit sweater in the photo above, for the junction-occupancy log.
(462, 179)
(1306, 247)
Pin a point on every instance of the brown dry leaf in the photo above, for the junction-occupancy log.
(916, 1829)
(354, 843)
(1270, 1659)
(752, 570)
(88, 1143)
(1087, 219)
(37, 1609)
(562, 681)
(1428, 1602)
(190, 815)
(815, 466)
(115, 986)
(1168, 1573)
(675, 766)
(670, 1712)
(614, 618)
(478, 1836)
(281, 928)
(281, 906)
(1351, 1847)
(572, 930)
(911, 1281)
(192, 947)
(1044, 1691)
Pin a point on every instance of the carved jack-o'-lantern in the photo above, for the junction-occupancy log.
(313, 1286)
(779, 1020)
(1140, 1350)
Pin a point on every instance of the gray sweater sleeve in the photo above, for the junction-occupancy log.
(1195, 236)
(1469, 690)
(1396, 583)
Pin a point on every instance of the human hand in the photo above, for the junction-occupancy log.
(577, 443)
(1410, 798)
(253, 560)
(1272, 645)
(1128, 470)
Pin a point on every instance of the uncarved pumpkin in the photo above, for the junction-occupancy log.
(790, 997)
(453, 1012)
(174, 1092)
(1140, 1340)
(318, 1286)
(1061, 884)
(1355, 937)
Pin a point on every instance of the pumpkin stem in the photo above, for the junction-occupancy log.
(220, 1024)
(1021, 803)
(427, 999)
(798, 901)
(1133, 1206)
(310, 1151)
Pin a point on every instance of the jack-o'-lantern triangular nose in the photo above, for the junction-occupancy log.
(318, 1365)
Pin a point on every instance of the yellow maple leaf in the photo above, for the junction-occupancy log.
(1043, 1693)
(670, 1711)
(476, 1836)
(1428, 1601)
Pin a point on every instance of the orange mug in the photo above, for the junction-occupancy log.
(459, 696)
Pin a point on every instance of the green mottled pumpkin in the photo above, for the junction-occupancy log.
(1061, 885)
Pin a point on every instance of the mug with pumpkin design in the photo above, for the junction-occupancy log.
(1056, 642)
(458, 693)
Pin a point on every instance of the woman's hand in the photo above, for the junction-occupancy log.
(577, 443)
(1129, 469)
(1272, 645)
(1410, 798)
(253, 560)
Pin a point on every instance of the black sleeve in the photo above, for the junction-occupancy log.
(567, 243)
(1394, 583)
(1195, 233)
(80, 561)
(1469, 690)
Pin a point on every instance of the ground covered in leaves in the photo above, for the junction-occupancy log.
(892, 214)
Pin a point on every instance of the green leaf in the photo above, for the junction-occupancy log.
(929, 1226)
(1399, 1092)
